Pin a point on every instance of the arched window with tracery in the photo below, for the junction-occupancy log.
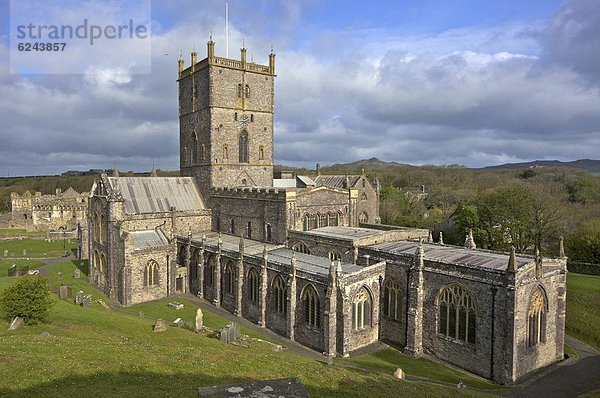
(244, 147)
(280, 295)
(210, 271)
(363, 217)
(253, 285)
(151, 273)
(312, 309)
(361, 309)
(306, 222)
(536, 318)
(316, 220)
(332, 219)
(301, 247)
(457, 315)
(229, 278)
(391, 298)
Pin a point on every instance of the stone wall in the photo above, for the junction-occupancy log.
(37, 212)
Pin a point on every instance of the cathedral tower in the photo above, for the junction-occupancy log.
(226, 121)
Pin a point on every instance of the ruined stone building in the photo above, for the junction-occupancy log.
(305, 256)
(37, 212)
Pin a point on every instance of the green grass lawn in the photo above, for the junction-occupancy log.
(390, 359)
(36, 248)
(583, 308)
(9, 232)
(101, 353)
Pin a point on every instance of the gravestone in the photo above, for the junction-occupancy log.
(16, 323)
(77, 273)
(24, 252)
(12, 271)
(87, 300)
(159, 326)
(229, 333)
(63, 292)
(199, 320)
(5, 253)
(179, 322)
(22, 270)
(79, 297)
(399, 374)
(59, 275)
(176, 305)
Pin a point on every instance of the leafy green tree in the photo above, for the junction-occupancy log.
(28, 298)
(584, 244)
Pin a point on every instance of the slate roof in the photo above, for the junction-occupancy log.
(232, 243)
(342, 232)
(148, 239)
(454, 255)
(157, 194)
(284, 183)
(309, 263)
(306, 180)
(336, 181)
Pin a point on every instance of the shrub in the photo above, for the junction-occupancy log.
(28, 298)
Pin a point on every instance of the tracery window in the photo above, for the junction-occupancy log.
(151, 273)
(253, 285)
(536, 319)
(229, 278)
(457, 315)
(312, 309)
(391, 298)
(280, 295)
(323, 220)
(363, 217)
(361, 310)
(332, 219)
(301, 247)
(210, 272)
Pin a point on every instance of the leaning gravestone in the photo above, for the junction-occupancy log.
(87, 300)
(229, 333)
(159, 326)
(12, 271)
(77, 273)
(103, 304)
(179, 322)
(79, 297)
(63, 292)
(199, 320)
(16, 323)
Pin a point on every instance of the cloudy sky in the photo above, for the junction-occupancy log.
(420, 82)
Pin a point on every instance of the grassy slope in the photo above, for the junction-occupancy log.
(36, 248)
(95, 352)
(583, 308)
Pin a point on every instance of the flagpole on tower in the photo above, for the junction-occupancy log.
(227, 30)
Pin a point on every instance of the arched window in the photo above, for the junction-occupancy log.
(363, 217)
(301, 247)
(195, 149)
(391, 298)
(457, 315)
(261, 152)
(232, 226)
(210, 271)
(361, 310)
(151, 273)
(316, 220)
(323, 220)
(306, 222)
(332, 219)
(202, 150)
(247, 91)
(335, 256)
(229, 278)
(536, 318)
(225, 152)
(217, 224)
(239, 90)
(253, 285)
(268, 233)
(244, 147)
(249, 229)
(235, 116)
(339, 220)
(312, 309)
(280, 295)
(363, 197)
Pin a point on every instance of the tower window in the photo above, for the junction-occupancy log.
(261, 153)
(202, 149)
(235, 116)
(244, 147)
(239, 90)
(252, 117)
(232, 226)
(225, 152)
(247, 91)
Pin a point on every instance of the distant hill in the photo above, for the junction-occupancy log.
(589, 165)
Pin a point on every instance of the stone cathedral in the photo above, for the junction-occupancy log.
(306, 256)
